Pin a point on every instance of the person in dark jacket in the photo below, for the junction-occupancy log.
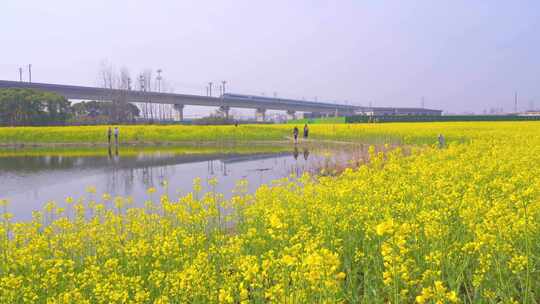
(109, 135)
(295, 135)
(306, 131)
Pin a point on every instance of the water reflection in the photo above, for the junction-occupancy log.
(295, 152)
(30, 181)
(116, 154)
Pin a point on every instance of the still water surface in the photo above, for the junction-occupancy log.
(29, 180)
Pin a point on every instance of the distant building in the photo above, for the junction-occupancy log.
(382, 111)
(386, 111)
(530, 113)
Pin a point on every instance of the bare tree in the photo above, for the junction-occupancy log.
(147, 73)
(124, 85)
(107, 75)
(118, 83)
(169, 109)
(125, 79)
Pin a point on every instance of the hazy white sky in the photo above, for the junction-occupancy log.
(462, 55)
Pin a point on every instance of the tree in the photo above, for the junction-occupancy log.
(31, 107)
(96, 110)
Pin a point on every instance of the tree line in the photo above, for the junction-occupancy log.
(30, 107)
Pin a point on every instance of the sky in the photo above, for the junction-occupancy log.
(459, 56)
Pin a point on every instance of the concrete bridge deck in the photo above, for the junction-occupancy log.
(260, 103)
(228, 100)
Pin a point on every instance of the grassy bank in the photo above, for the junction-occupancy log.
(68, 151)
(406, 133)
(455, 225)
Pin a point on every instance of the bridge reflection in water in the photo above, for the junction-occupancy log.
(30, 181)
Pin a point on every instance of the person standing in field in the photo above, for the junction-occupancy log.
(295, 134)
(116, 133)
(306, 131)
(442, 143)
(109, 135)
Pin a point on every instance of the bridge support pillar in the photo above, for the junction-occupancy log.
(179, 108)
(260, 114)
(224, 110)
(291, 115)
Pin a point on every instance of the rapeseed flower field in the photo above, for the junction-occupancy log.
(402, 133)
(454, 225)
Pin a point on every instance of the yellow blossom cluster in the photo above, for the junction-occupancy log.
(454, 225)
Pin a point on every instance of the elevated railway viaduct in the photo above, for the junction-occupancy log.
(224, 102)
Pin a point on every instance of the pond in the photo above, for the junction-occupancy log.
(29, 178)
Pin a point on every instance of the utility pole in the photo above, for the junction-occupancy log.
(20, 74)
(210, 89)
(515, 102)
(160, 107)
(158, 78)
(30, 73)
(142, 88)
(129, 83)
(141, 82)
(423, 104)
(223, 85)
